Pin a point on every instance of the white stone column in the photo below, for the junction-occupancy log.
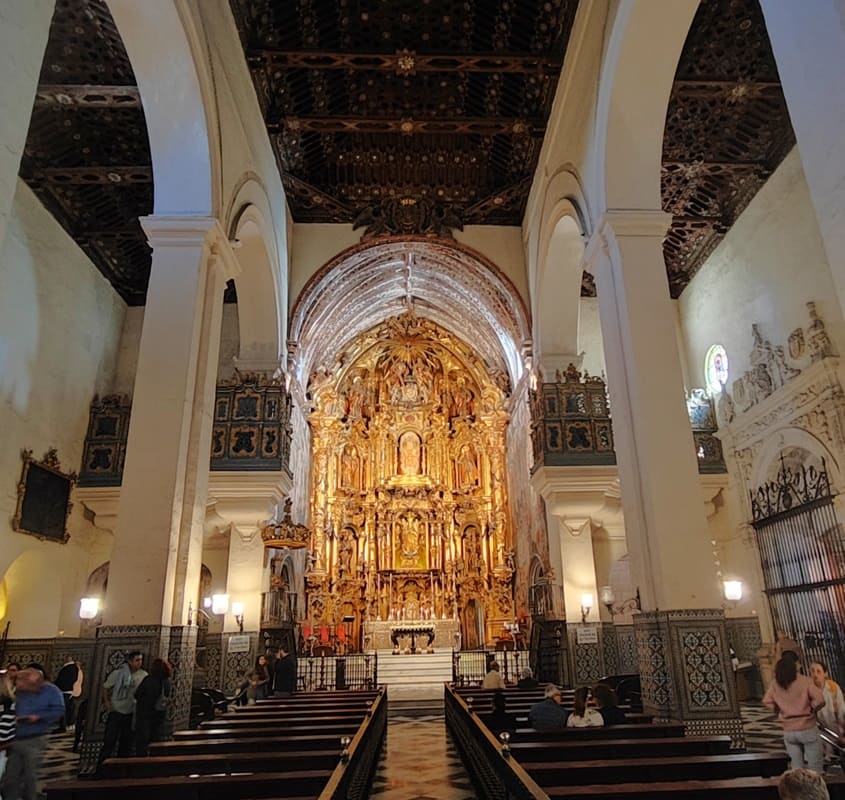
(809, 47)
(156, 561)
(246, 500)
(24, 28)
(661, 494)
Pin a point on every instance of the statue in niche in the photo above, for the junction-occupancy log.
(467, 468)
(345, 556)
(349, 468)
(409, 536)
(425, 380)
(409, 454)
(818, 341)
(395, 380)
(355, 398)
(462, 405)
(471, 548)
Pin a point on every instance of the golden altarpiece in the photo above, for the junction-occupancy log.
(409, 511)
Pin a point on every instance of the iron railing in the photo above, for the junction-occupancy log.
(470, 666)
(328, 673)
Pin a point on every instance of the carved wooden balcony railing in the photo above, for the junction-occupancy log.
(708, 448)
(571, 422)
(105, 441)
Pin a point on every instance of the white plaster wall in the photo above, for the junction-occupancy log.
(60, 324)
(229, 342)
(769, 265)
(314, 245)
(503, 246)
(589, 336)
(127, 354)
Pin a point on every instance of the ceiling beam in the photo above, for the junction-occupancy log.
(100, 175)
(408, 62)
(379, 125)
(88, 95)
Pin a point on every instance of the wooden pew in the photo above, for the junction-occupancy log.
(653, 770)
(233, 744)
(643, 731)
(526, 752)
(734, 789)
(227, 763)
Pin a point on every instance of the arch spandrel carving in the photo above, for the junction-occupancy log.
(408, 437)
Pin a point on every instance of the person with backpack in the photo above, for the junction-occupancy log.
(152, 701)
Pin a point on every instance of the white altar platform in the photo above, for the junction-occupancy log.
(415, 677)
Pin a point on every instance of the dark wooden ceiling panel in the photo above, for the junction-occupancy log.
(87, 154)
(441, 101)
(727, 130)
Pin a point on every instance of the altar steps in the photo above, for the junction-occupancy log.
(417, 677)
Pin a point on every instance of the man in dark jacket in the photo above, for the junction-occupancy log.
(549, 714)
(284, 683)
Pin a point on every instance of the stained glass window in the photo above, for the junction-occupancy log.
(716, 368)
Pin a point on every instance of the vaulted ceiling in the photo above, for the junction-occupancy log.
(413, 116)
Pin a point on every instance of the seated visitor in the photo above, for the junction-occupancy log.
(832, 714)
(802, 784)
(607, 705)
(548, 714)
(527, 680)
(493, 679)
(499, 719)
(581, 716)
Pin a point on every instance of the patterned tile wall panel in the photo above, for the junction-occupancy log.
(718, 727)
(611, 649)
(213, 660)
(182, 653)
(747, 640)
(236, 664)
(626, 647)
(587, 659)
(652, 655)
(27, 651)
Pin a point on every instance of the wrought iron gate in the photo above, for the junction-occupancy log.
(802, 550)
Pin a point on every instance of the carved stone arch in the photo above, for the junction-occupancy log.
(767, 460)
(262, 283)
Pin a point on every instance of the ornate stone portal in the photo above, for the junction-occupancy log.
(409, 505)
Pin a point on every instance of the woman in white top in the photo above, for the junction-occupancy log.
(581, 716)
(832, 715)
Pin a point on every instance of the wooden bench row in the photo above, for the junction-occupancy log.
(296, 755)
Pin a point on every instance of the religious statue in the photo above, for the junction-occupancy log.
(409, 454)
(409, 537)
(817, 339)
(467, 468)
(355, 398)
(349, 472)
(462, 405)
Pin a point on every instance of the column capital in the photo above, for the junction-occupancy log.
(183, 230)
(625, 222)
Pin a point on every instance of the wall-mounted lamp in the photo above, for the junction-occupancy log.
(586, 606)
(218, 603)
(238, 613)
(732, 590)
(89, 607)
(608, 599)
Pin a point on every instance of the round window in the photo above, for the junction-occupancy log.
(716, 368)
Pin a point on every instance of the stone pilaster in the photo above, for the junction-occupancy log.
(182, 653)
(686, 672)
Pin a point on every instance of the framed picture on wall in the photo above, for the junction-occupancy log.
(44, 498)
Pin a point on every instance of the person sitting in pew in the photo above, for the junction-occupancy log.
(581, 716)
(493, 679)
(802, 784)
(499, 719)
(548, 714)
(607, 705)
(527, 680)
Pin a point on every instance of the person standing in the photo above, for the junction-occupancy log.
(796, 699)
(69, 681)
(7, 722)
(284, 684)
(119, 700)
(152, 699)
(39, 705)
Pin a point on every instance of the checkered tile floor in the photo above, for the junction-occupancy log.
(400, 775)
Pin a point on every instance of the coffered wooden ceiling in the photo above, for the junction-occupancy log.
(423, 114)
(401, 116)
(727, 129)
